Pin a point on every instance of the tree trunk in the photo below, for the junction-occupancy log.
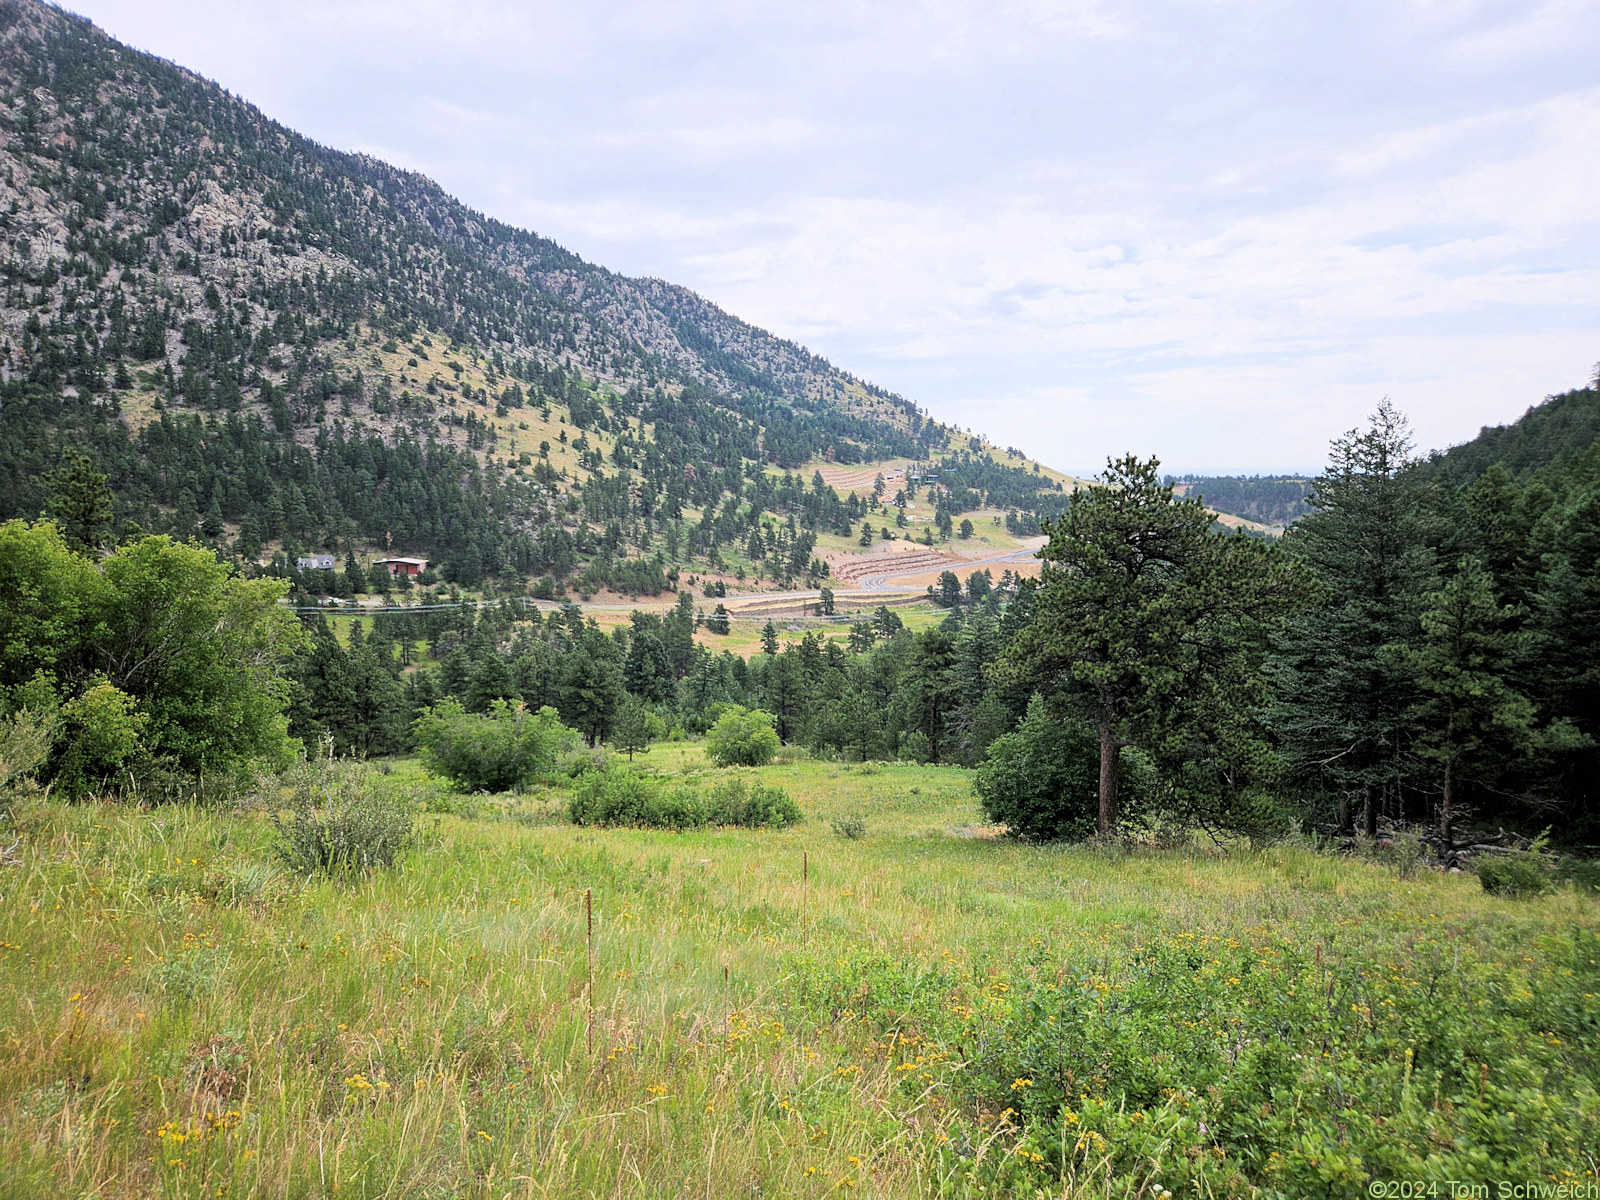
(1447, 807)
(1369, 814)
(1110, 764)
(1346, 828)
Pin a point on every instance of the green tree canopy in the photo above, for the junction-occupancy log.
(1344, 693)
(198, 653)
(742, 737)
(80, 501)
(1148, 619)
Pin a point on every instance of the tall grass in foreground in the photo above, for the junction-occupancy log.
(181, 1017)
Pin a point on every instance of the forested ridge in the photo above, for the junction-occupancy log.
(275, 346)
(1269, 499)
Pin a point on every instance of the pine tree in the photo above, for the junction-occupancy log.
(489, 680)
(379, 718)
(631, 731)
(1344, 695)
(1564, 654)
(1146, 618)
(677, 635)
(80, 502)
(769, 638)
(646, 669)
(590, 689)
(1461, 664)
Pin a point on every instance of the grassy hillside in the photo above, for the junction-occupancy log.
(895, 1019)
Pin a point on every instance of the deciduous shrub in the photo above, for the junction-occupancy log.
(341, 817)
(617, 796)
(614, 796)
(25, 738)
(1520, 874)
(1582, 873)
(100, 731)
(508, 747)
(1260, 1065)
(852, 826)
(742, 737)
(1042, 780)
(157, 648)
(733, 802)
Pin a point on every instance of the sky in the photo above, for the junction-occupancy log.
(1218, 231)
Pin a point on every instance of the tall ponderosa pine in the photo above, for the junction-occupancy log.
(1344, 695)
(1146, 617)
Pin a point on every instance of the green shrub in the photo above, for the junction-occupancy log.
(733, 802)
(614, 796)
(339, 817)
(852, 826)
(1042, 780)
(506, 748)
(675, 807)
(99, 732)
(1582, 873)
(194, 654)
(617, 796)
(742, 737)
(25, 739)
(1521, 874)
(1218, 1067)
(1404, 851)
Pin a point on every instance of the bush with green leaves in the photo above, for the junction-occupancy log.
(1581, 873)
(743, 737)
(1173, 1061)
(99, 733)
(1520, 874)
(852, 827)
(25, 738)
(334, 817)
(734, 802)
(615, 795)
(1042, 780)
(502, 750)
(158, 650)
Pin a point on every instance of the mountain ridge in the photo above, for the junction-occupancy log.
(730, 351)
(274, 345)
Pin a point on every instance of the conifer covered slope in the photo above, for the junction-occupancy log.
(277, 345)
(132, 163)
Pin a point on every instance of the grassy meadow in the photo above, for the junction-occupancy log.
(925, 1010)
